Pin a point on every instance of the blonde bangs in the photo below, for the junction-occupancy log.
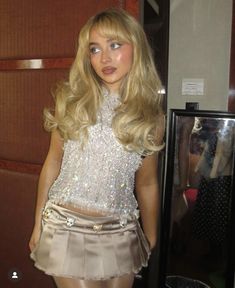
(113, 29)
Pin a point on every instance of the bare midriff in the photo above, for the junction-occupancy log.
(83, 211)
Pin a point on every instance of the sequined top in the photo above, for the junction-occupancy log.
(101, 176)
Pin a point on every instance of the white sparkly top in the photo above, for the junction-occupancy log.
(101, 176)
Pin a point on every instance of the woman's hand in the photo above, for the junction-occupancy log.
(152, 240)
(34, 237)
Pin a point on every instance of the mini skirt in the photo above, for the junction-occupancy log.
(75, 245)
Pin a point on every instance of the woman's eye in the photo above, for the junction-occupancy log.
(94, 50)
(115, 45)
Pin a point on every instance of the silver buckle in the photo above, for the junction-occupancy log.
(70, 221)
(97, 227)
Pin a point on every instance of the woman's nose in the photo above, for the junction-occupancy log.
(105, 56)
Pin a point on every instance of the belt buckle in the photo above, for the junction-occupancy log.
(97, 227)
(46, 213)
(70, 221)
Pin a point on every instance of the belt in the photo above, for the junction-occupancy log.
(70, 221)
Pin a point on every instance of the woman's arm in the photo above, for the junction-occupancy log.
(49, 173)
(147, 193)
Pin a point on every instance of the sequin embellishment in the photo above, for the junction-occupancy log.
(101, 176)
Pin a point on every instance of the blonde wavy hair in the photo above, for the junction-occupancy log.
(138, 121)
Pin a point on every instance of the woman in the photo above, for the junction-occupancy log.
(107, 128)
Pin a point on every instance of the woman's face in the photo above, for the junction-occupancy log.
(111, 59)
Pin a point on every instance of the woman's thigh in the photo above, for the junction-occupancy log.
(76, 283)
(125, 281)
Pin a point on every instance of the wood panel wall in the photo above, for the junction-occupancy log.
(38, 43)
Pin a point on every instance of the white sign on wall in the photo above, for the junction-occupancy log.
(193, 87)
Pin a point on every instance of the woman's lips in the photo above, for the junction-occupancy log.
(108, 70)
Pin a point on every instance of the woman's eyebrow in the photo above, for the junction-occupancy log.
(93, 43)
(108, 40)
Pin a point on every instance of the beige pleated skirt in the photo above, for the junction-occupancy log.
(74, 245)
